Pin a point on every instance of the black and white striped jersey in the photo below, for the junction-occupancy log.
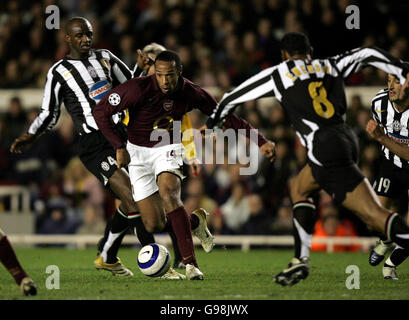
(80, 84)
(310, 91)
(394, 123)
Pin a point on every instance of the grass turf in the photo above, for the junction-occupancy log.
(229, 275)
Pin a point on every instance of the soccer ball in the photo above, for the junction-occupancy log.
(154, 260)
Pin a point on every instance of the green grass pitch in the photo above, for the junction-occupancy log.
(230, 274)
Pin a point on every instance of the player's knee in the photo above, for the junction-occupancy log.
(295, 192)
(170, 195)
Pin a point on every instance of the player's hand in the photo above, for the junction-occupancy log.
(374, 130)
(142, 60)
(268, 149)
(22, 142)
(122, 158)
(404, 92)
(195, 166)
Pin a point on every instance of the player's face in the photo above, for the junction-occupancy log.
(167, 76)
(394, 87)
(80, 37)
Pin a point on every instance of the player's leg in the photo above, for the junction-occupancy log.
(304, 217)
(98, 157)
(364, 202)
(399, 254)
(304, 211)
(153, 215)
(170, 191)
(382, 246)
(9, 260)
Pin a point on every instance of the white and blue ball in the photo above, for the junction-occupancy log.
(154, 260)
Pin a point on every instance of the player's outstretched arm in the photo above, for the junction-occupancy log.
(260, 85)
(49, 115)
(354, 60)
(376, 132)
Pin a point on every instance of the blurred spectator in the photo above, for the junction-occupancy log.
(260, 221)
(58, 222)
(236, 210)
(14, 122)
(283, 221)
(331, 226)
(93, 223)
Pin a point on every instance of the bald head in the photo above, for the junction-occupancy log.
(77, 21)
(78, 36)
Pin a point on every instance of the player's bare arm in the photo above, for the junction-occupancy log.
(375, 132)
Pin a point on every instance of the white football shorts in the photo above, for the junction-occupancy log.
(147, 163)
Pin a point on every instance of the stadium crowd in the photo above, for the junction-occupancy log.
(221, 43)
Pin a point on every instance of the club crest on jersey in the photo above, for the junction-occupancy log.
(105, 166)
(167, 105)
(114, 99)
(99, 90)
(105, 63)
(92, 72)
(396, 125)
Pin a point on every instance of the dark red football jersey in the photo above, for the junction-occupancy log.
(150, 109)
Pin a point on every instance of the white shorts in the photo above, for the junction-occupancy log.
(147, 163)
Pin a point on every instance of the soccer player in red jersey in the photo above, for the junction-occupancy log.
(155, 102)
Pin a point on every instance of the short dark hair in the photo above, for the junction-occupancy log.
(296, 43)
(73, 20)
(169, 55)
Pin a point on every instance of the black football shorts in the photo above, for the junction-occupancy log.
(97, 155)
(337, 149)
(391, 181)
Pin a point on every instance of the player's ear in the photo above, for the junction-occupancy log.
(284, 55)
(67, 39)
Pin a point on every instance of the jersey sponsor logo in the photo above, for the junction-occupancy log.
(105, 165)
(167, 105)
(114, 99)
(92, 72)
(396, 125)
(398, 138)
(99, 90)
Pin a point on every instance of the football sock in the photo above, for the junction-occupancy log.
(119, 227)
(304, 217)
(144, 236)
(398, 256)
(120, 221)
(9, 260)
(180, 222)
(178, 256)
(102, 241)
(397, 230)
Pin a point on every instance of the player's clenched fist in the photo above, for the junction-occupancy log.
(374, 130)
(268, 149)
